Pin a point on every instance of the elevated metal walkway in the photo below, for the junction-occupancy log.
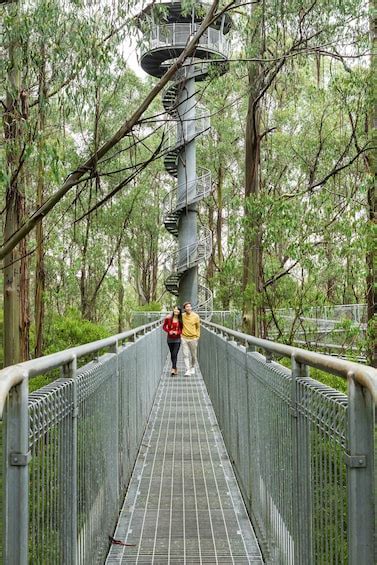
(111, 430)
(183, 504)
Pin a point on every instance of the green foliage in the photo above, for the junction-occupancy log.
(321, 376)
(63, 332)
(104, 262)
(71, 330)
(151, 307)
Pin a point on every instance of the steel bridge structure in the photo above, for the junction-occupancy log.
(250, 461)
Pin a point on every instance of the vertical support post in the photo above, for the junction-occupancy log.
(360, 473)
(117, 426)
(187, 236)
(301, 475)
(16, 476)
(70, 372)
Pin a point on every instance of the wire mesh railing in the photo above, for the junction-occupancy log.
(354, 312)
(182, 132)
(196, 190)
(179, 34)
(70, 447)
(303, 453)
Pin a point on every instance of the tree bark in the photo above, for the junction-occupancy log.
(210, 269)
(12, 120)
(40, 274)
(252, 283)
(24, 284)
(219, 219)
(120, 294)
(371, 161)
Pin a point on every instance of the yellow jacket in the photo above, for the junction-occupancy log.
(191, 326)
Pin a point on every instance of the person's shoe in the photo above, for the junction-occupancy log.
(188, 373)
(192, 371)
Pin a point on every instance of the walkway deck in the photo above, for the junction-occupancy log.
(183, 505)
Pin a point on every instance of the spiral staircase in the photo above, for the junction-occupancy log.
(187, 121)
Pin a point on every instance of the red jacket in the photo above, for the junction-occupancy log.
(172, 328)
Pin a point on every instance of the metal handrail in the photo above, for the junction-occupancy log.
(14, 375)
(191, 254)
(180, 133)
(178, 35)
(205, 302)
(364, 375)
(197, 189)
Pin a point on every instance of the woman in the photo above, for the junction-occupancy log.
(173, 327)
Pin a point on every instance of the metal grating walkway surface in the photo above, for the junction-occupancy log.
(183, 504)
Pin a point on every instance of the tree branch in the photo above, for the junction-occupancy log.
(126, 128)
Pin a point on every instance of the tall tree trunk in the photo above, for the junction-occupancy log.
(155, 246)
(219, 220)
(210, 270)
(330, 280)
(120, 294)
(88, 302)
(84, 299)
(372, 170)
(13, 200)
(40, 274)
(371, 165)
(24, 285)
(252, 285)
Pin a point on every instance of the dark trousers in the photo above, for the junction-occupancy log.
(174, 348)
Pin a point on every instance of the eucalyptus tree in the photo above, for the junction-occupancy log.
(285, 37)
(90, 28)
(48, 45)
(371, 162)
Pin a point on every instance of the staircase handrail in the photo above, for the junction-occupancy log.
(193, 253)
(198, 188)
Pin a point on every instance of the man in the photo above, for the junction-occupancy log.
(190, 337)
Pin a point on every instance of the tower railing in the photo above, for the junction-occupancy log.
(179, 34)
(196, 190)
(179, 133)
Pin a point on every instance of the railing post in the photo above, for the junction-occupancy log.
(301, 476)
(117, 350)
(360, 473)
(16, 479)
(70, 510)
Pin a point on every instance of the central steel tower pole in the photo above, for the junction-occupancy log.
(187, 237)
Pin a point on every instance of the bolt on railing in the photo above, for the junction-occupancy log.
(303, 452)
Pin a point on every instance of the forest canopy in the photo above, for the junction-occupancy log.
(292, 153)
